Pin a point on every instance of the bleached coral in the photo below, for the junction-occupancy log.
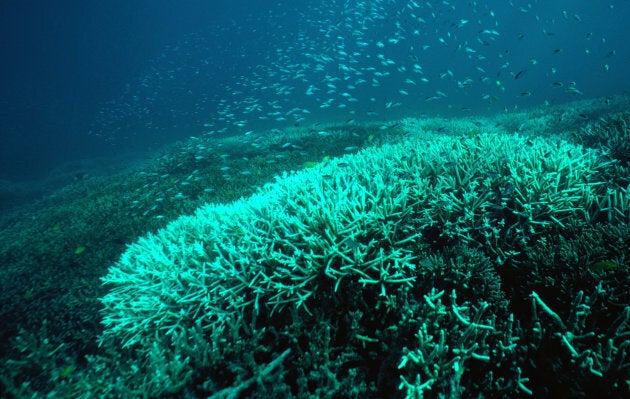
(344, 244)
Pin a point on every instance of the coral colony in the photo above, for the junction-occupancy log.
(413, 267)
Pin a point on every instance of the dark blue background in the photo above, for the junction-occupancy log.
(62, 59)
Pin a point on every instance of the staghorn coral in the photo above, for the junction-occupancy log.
(385, 268)
(611, 134)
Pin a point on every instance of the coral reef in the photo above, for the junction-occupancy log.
(610, 134)
(401, 264)
(455, 260)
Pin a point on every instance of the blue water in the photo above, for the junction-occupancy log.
(90, 87)
(86, 80)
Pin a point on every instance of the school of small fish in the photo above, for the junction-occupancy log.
(360, 60)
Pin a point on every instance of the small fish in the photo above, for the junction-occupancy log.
(573, 90)
(351, 243)
(601, 266)
(65, 373)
